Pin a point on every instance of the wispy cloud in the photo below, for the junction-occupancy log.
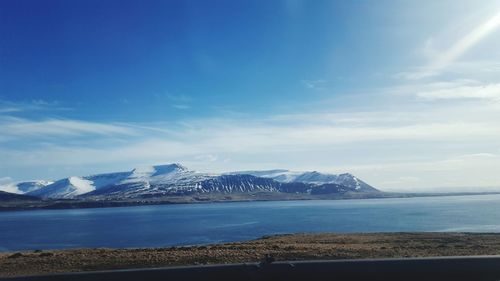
(467, 90)
(176, 97)
(389, 144)
(181, 106)
(421, 133)
(19, 127)
(5, 180)
(313, 141)
(206, 158)
(177, 101)
(33, 105)
(317, 84)
(469, 173)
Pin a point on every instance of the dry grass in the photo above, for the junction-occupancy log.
(283, 247)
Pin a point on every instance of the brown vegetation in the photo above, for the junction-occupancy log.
(282, 247)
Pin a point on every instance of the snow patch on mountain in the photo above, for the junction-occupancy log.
(10, 188)
(81, 185)
(177, 180)
(102, 180)
(277, 175)
(151, 181)
(164, 173)
(24, 187)
(74, 186)
(65, 188)
(313, 177)
(293, 176)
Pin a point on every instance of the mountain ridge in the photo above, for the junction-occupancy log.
(176, 180)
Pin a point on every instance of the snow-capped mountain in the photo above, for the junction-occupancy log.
(162, 180)
(316, 178)
(139, 178)
(24, 187)
(74, 186)
(177, 180)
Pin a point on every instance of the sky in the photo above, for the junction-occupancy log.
(403, 94)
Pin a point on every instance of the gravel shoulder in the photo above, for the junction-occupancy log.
(280, 247)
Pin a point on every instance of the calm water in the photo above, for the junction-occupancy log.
(165, 225)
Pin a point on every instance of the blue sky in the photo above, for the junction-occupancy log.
(403, 94)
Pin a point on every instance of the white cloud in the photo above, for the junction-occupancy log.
(9, 109)
(462, 91)
(33, 105)
(318, 84)
(469, 173)
(206, 158)
(5, 180)
(270, 144)
(388, 145)
(18, 127)
(417, 73)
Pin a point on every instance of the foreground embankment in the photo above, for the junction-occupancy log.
(281, 247)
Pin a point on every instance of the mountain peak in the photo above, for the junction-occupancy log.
(159, 169)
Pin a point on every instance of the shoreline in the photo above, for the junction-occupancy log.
(291, 247)
(62, 204)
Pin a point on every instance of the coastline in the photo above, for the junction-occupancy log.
(321, 246)
(56, 204)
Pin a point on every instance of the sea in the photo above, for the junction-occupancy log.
(207, 223)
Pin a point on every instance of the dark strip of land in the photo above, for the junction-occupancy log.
(282, 247)
(30, 204)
